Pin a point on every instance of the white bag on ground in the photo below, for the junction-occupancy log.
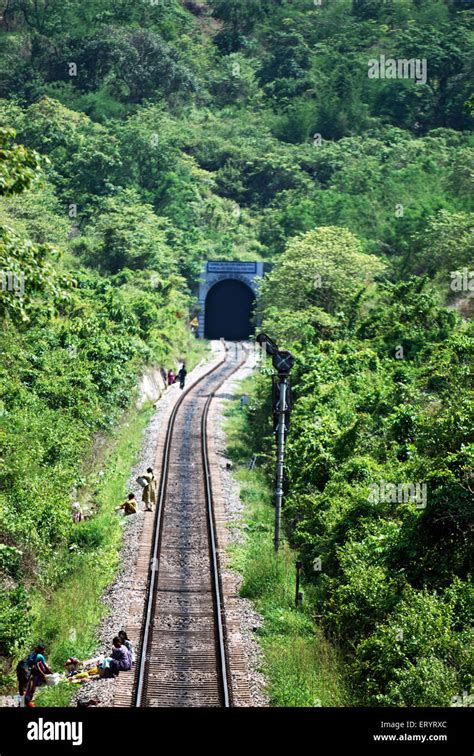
(52, 679)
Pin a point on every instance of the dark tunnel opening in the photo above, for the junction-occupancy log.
(229, 309)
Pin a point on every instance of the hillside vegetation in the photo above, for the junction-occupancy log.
(139, 139)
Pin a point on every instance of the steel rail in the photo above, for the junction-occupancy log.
(157, 536)
(220, 633)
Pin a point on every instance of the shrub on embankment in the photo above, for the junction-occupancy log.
(379, 468)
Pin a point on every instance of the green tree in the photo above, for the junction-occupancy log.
(324, 267)
(239, 17)
(128, 234)
(19, 167)
(446, 244)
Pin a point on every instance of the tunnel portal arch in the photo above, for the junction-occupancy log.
(228, 311)
(228, 306)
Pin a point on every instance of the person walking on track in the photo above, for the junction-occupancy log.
(182, 376)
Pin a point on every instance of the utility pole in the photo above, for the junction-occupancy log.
(282, 362)
(282, 409)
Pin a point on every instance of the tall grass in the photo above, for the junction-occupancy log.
(68, 618)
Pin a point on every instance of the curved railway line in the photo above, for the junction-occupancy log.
(183, 659)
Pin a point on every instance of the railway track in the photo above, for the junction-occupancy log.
(183, 659)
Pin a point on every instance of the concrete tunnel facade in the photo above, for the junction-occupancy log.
(227, 295)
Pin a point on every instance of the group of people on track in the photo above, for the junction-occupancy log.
(33, 671)
(181, 376)
(148, 480)
(148, 483)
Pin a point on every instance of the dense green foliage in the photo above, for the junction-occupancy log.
(73, 344)
(151, 136)
(382, 397)
(241, 130)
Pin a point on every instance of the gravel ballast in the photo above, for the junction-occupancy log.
(118, 596)
(249, 620)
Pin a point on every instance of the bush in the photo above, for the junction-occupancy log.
(89, 534)
(407, 661)
(10, 560)
(14, 621)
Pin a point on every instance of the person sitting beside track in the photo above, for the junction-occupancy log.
(127, 643)
(129, 506)
(120, 660)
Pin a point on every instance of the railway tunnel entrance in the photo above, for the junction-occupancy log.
(229, 310)
(227, 295)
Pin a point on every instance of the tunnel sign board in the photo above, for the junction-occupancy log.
(217, 266)
(217, 271)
